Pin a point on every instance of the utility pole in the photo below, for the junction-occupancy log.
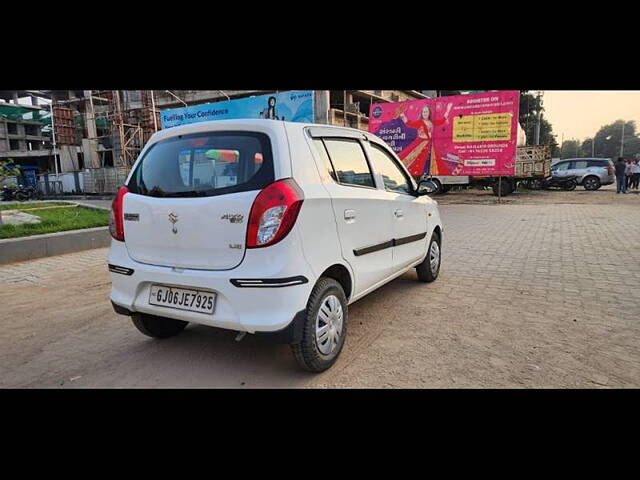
(538, 125)
(153, 112)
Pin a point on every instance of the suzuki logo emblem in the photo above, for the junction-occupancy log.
(173, 218)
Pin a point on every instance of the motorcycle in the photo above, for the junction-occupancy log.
(8, 193)
(568, 183)
(21, 193)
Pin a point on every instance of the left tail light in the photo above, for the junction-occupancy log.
(116, 224)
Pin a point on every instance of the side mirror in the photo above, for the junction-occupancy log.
(426, 187)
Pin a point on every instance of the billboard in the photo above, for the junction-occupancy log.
(473, 135)
(294, 106)
(407, 128)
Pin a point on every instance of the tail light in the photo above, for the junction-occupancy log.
(273, 213)
(609, 170)
(116, 224)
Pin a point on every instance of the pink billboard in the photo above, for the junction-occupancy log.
(472, 135)
(407, 128)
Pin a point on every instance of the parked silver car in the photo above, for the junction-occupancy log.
(591, 173)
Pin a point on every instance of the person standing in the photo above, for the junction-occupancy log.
(621, 177)
(628, 174)
(635, 174)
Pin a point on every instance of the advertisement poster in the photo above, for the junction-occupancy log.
(476, 135)
(294, 106)
(473, 135)
(407, 128)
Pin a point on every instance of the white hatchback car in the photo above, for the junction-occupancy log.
(266, 227)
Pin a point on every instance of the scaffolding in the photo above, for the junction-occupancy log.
(126, 128)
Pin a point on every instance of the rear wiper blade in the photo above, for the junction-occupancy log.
(191, 193)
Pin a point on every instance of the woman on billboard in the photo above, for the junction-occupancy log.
(416, 155)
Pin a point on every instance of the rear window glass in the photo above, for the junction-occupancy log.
(349, 162)
(205, 164)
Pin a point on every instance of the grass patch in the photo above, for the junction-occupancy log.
(21, 205)
(56, 220)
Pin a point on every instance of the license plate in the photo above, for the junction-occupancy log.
(182, 298)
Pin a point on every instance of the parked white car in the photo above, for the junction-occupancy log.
(266, 227)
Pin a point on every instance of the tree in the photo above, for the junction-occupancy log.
(531, 107)
(608, 140)
(7, 169)
(570, 149)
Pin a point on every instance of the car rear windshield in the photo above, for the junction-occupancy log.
(204, 164)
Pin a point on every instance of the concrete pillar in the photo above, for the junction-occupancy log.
(90, 147)
(321, 106)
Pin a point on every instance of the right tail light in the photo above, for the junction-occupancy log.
(273, 213)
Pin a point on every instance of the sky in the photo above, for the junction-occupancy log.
(579, 114)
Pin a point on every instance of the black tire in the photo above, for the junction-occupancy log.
(535, 184)
(446, 188)
(506, 187)
(424, 270)
(157, 327)
(438, 185)
(22, 197)
(591, 183)
(307, 352)
(570, 185)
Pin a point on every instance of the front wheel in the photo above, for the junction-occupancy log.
(325, 327)
(429, 269)
(158, 327)
(438, 185)
(570, 185)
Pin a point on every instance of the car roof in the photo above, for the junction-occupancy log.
(583, 158)
(214, 125)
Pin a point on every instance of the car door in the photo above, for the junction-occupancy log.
(361, 210)
(408, 212)
(560, 169)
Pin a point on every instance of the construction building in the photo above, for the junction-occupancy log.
(99, 133)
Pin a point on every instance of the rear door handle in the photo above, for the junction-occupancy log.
(350, 215)
(398, 213)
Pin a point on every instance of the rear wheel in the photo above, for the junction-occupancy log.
(157, 327)
(535, 184)
(503, 188)
(591, 183)
(429, 269)
(325, 327)
(22, 196)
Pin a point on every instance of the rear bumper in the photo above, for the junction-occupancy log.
(278, 294)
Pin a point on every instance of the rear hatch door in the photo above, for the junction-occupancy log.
(190, 199)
